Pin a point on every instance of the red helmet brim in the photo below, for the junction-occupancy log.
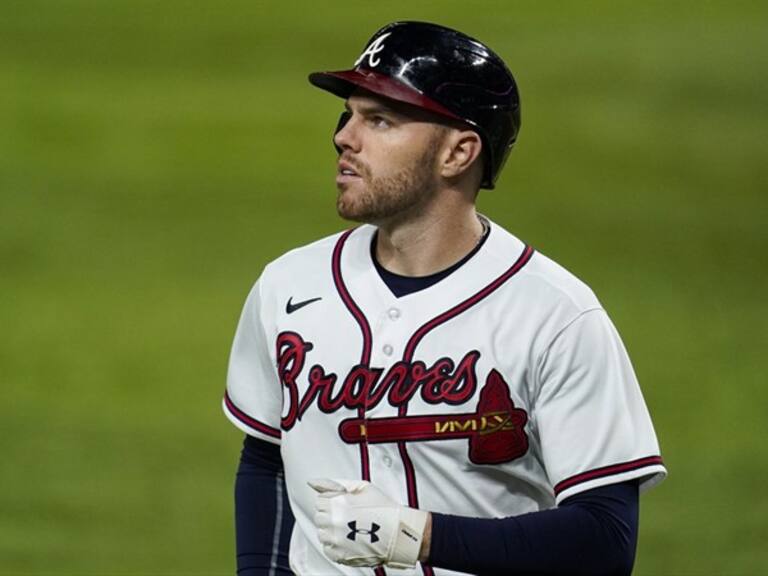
(343, 83)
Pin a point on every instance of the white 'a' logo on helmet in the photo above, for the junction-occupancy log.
(373, 48)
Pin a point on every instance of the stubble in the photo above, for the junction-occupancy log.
(395, 196)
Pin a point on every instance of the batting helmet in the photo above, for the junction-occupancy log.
(444, 71)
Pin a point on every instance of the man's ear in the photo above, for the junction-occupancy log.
(463, 148)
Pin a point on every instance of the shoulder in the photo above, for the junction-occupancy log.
(546, 297)
(541, 279)
(303, 270)
(303, 261)
(311, 266)
(555, 282)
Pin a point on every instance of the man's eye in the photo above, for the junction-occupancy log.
(380, 122)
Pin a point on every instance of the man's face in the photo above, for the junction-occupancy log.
(388, 165)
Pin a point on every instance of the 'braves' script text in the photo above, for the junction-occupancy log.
(364, 386)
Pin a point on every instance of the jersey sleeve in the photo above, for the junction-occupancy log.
(253, 398)
(593, 424)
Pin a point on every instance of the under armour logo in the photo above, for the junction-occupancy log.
(374, 48)
(354, 531)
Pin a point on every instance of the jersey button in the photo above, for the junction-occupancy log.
(394, 313)
(387, 461)
(387, 349)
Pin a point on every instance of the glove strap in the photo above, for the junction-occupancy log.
(407, 541)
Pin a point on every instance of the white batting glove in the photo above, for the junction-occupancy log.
(358, 525)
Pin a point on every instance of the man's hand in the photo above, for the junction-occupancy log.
(360, 526)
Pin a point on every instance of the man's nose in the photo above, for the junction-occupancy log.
(343, 137)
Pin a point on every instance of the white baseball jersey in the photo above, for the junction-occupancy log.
(500, 390)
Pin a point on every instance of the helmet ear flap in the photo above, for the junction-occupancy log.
(343, 119)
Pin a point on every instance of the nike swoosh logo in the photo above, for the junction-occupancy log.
(290, 307)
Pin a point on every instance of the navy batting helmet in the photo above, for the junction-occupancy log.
(444, 71)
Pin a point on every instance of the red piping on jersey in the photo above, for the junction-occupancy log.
(469, 302)
(410, 473)
(365, 356)
(410, 349)
(365, 328)
(607, 471)
(247, 420)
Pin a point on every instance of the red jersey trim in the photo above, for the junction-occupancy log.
(365, 329)
(607, 471)
(416, 338)
(249, 421)
(410, 474)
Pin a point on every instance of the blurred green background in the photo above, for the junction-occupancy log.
(154, 155)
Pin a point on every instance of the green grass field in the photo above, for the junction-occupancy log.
(155, 154)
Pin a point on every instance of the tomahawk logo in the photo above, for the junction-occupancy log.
(355, 531)
(374, 48)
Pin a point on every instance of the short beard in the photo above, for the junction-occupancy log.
(392, 198)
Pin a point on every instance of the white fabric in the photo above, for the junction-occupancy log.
(539, 348)
(252, 382)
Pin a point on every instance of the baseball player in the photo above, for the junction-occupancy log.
(425, 393)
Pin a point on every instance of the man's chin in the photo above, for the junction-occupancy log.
(347, 208)
(349, 213)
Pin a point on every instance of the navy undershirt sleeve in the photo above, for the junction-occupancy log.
(263, 518)
(592, 533)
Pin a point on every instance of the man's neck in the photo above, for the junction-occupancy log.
(429, 242)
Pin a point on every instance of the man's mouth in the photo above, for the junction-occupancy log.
(346, 169)
(346, 173)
